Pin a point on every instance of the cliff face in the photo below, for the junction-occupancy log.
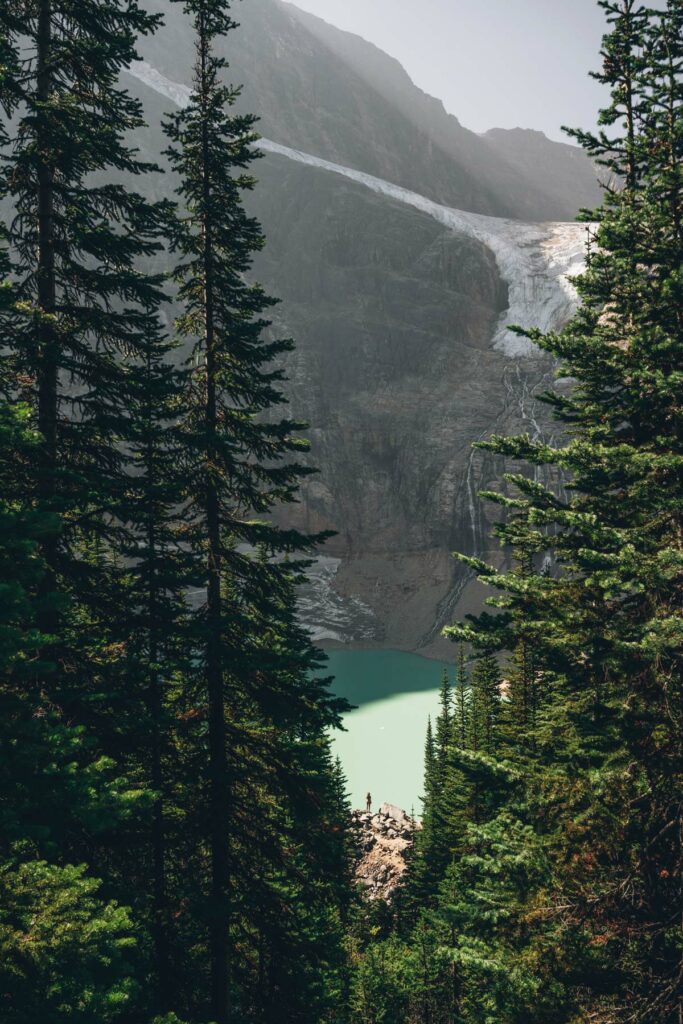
(398, 305)
(393, 317)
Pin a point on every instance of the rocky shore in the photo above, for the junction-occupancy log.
(383, 841)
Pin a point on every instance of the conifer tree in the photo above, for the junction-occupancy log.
(87, 300)
(78, 344)
(429, 764)
(160, 641)
(461, 700)
(62, 943)
(444, 726)
(485, 707)
(253, 658)
(608, 634)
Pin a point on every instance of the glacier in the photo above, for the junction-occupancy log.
(537, 261)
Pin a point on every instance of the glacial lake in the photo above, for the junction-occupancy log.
(382, 750)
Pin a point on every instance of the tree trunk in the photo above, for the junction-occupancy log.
(218, 765)
(48, 340)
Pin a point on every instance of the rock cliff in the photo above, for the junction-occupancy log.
(332, 94)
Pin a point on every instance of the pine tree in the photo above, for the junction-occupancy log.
(253, 659)
(160, 643)
(607, 630)
(486, 705)
(462, 698)
(62, 943)
(429, 766)
(88, 301)
(444, 727)
(80, 344)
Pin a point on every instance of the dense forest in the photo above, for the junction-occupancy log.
(175, 843)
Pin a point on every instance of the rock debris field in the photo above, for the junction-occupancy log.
(382, 843)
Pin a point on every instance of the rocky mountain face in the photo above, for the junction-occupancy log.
(397, 289)
(332, 94)
(537, 180)
(382, 843)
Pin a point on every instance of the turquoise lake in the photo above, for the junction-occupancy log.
(382, 749)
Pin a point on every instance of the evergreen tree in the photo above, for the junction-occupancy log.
(77, 274)
(159, 652)
(149, 481)
(265, 716)
(485, 706)
(78, 344)
(607, 630)
(66, 951)
(430, 776)
(462, 698)
(444, 728)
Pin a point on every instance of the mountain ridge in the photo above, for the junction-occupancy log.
(331, 94)
(387, 76)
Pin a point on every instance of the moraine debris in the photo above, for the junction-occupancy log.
(382, 844)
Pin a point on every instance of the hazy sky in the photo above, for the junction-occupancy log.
(494, 63)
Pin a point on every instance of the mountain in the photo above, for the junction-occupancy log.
(573, 176)
(397, 285)
(528, 176)
(332, 94)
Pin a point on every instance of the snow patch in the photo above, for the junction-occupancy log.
(142, 70)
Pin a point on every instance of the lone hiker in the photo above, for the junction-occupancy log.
(368, 803)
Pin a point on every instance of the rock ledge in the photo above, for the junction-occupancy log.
(382, 844)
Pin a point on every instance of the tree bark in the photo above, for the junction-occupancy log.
(47, 336)
(218, 764)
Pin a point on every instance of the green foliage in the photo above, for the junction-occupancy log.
(558, 901)
(65, 953)
(485, 704)
(180, 752)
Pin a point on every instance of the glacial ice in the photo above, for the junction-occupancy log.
(536, 260)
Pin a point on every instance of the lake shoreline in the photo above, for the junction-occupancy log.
(426, 653)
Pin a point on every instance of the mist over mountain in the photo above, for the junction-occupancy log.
(332, 94)
(397, 292)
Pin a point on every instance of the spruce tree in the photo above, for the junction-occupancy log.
(486, 705)
(461, 700)
(77, 273)
(429, 765)
(160, 648)
(444, 726)
(253, 659)
(63, 944)
(608, 634)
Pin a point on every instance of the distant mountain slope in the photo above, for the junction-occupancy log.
(334, 95)
(547, 165)
(536, 178)
(395, 305)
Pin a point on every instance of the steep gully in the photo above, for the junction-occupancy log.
(537, 262)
